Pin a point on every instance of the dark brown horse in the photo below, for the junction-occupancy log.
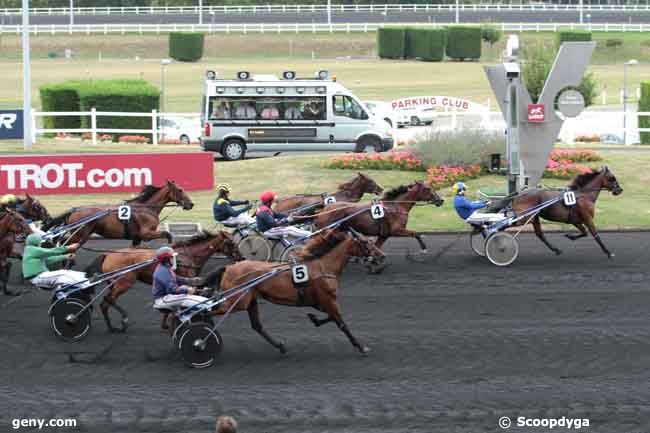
(144, 221)
(192, 256)
(30, 208)
(587, 188)
(325, 256)
(351, 191)
(11, 224)
(397, 204)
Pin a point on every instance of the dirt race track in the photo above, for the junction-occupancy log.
(456, 344)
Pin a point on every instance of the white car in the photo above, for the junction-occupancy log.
(383, 110)
(183, 129)
(419, 116)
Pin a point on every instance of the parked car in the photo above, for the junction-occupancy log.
(417, 116)
(383, 110)
(611, 139)
(183, 129)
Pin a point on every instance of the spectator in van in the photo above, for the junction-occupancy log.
(222, 111)
(245, 111)
(270, 112)
(292, 112)
(313, 111)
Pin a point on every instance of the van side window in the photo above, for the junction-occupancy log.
(348, 107)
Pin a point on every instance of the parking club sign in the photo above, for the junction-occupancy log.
(11, 124)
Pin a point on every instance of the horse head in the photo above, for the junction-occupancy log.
(368, 185)
(422, 192)
(224, 242)
(33, 209)
(13, 222)
(365, 248)
(609, 181)
(178, 196)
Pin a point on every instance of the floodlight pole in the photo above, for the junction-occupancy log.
(457, 11)
(581, 11)
(329, 13)
(200, 11)
(71, 12)
(27, 81)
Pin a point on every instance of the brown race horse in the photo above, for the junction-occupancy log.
(192, 256)
(30, 209)
(587, 188)
(351, 191)
(325, 256)
(144, 221)
(11, 224)
(397, 204)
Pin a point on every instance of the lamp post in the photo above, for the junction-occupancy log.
(329, 13)
(163, 68)
(27, 81)
(631, 62)
(200, 11)
(71, 12)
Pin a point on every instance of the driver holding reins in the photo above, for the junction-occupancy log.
(272, 223)
(223, 209)
(470, 210)
(36, 260)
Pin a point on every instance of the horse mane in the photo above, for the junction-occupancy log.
(397, 191)
(583, 180)
(319, 246)
(203, 236)
(147, 192)
(345, 186)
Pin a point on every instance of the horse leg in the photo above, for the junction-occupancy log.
(589, 222)
(110, 300)
(319, 322)
(5, 271)
(583, 233)
(256, 324)
(537, 225)
(334, 312)
(154, 234)
(105, 306)
(402, 232)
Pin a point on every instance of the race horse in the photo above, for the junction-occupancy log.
(30, 208)
(143, 223)
(587, 188)
(350, 191)
(325, 256)
(397, 204)
(192, 256)
(11, 225)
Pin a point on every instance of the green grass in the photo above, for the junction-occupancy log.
(302, 174)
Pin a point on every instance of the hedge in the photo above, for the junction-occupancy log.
(426, 44)
(572, 36)
(186, 47)
(60, 97)
(391, 42)
(103, 95)
(644, 105)
(463, 42)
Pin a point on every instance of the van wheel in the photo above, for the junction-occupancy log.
(387, 120)
(233, 150)
(185, 139)
(368, 145)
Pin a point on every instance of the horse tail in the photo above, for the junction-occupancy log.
(96, 266)
(213, 279)
(57, 220)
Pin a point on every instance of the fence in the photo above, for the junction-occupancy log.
(247, 9)
(589, 123)
(53, 29)
(94, 130)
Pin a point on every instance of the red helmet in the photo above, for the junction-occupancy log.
(164, 253)
(267, 196)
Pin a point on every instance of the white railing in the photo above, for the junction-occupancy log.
(269, 8)
(94, 130)
(588, 123)
(53, 29)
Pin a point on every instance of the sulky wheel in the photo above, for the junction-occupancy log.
(501, 248)
(199, 344)
(477, 241)
(255, 247)
(290, 252)
(70, 319)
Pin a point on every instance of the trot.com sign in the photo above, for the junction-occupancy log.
(104, 173)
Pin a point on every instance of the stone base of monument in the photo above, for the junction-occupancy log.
(180, 230)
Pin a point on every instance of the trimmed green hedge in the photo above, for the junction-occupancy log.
(185, 46)
(391, 42)
(572, 36)
(426, 44)
(463, 42)
(103, 95)
(644, 105)
(60, 97)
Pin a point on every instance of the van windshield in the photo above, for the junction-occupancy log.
(268, 108)
(344, 105)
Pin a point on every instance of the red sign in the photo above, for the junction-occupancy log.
(104, 173)
(536, 112)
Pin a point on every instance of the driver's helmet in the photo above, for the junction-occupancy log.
(224, 188)
(8, 199)
(34, 240)
(267, 197)
(164, 253)
(459, 188)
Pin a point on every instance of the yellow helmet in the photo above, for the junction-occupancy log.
(224, 187)
(8, 199)
(458, 188)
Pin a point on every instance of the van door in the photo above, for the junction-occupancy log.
(351, 120)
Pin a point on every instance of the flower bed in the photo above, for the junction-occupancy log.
(445, 175)
(393, 160)
(575, 155)
(564, 163)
